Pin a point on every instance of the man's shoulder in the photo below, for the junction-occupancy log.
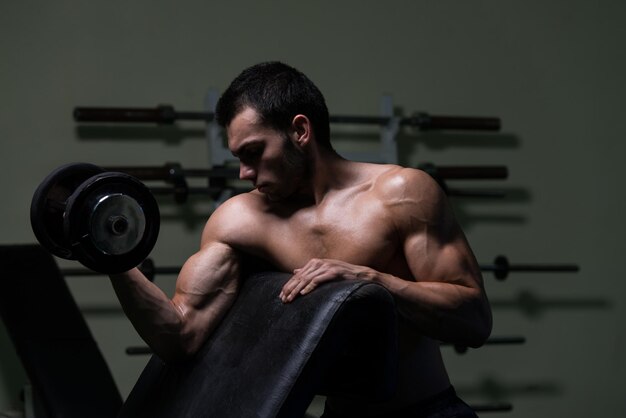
(235, 219)
(409, 195)
(240, 204)
(396, 182)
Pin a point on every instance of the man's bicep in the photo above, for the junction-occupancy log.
(205, 290)
(216, 265)
(208, 276)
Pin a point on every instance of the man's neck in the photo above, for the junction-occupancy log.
(330, 172)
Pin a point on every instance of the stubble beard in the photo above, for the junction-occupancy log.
(297, 172)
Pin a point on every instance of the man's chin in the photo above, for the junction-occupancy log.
(271, 195)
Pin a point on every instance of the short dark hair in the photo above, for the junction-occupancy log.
(277, 92)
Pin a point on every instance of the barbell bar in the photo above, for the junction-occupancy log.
(167, 115)
(171, 171)
(501, 268)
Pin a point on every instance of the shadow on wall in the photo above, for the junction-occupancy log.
(533, 306)
(508, 196)
(493, 389)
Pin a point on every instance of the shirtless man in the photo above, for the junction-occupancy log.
(323, 218)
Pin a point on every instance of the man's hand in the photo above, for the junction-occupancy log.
(318, 271)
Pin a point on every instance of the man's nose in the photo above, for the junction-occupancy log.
(246, 172)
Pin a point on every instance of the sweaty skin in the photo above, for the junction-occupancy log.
(325, 218)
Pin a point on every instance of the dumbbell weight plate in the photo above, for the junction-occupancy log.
(49, 202)
(112, 222)
(117, 224)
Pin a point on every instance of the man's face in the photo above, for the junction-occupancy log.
(267, 157)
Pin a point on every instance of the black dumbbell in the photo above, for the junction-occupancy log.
(107, 221)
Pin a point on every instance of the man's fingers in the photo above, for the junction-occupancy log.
(308, 288)
(293, 286)
(292, 291)
(305, 280)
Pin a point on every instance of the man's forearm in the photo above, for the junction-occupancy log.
(457, 313)
(155, 317)
(205, 290)
(445, 311)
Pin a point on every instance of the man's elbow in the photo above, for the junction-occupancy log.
(479, 337)
(178, 345)
(176, 352)
(481, 327)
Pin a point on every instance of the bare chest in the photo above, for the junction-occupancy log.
(353, 232)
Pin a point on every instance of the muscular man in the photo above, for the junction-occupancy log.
(323, 218)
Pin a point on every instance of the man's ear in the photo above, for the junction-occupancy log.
(302, 129)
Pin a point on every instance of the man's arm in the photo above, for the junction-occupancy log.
(445, 297)
(447, 300)
(205, 289)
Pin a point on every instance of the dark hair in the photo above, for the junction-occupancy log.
(277, 92)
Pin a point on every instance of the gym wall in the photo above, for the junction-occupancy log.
(552, 71)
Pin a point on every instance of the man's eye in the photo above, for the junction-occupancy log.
(253, 153)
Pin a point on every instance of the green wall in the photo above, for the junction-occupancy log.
(552, 71)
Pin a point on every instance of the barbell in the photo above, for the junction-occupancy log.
(108, 221)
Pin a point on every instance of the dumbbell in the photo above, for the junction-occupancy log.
(108, 221)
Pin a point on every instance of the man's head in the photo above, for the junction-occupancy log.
(277, 92)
